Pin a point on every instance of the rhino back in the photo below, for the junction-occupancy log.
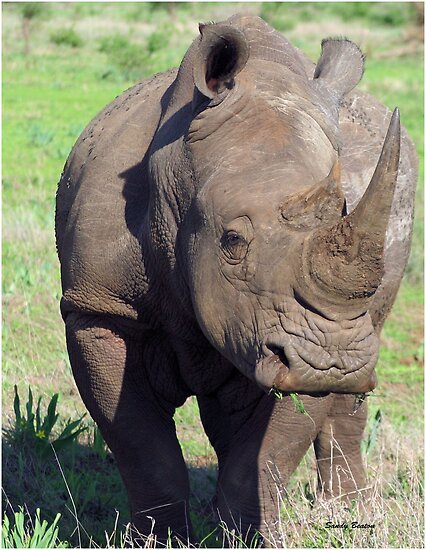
(101, 202)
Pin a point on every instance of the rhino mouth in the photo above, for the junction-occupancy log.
(275, 372)
(291, 363)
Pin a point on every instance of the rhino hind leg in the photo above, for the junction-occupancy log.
(338, 450)
(139, 430)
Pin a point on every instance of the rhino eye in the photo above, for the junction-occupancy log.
(233, 238)
(234, 246)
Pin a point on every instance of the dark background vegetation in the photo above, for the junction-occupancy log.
(62, 62)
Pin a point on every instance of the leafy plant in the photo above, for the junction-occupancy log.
(129, 58)
(159, 39)
(284, 15)
(111, 44)
(298, 403)
(39, 534)
(278, 394)
(66, 37)
(277, 16)
(39, 136)
(30, 428)
(389, 13)
(99, 445)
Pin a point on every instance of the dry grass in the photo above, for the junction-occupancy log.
(395, 506)
(391, 517)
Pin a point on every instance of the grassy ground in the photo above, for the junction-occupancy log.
(80, 57)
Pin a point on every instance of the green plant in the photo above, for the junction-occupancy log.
(298, 403)
(66, 37)
(38, 534)
(159, 39)
(284, 15)
(39, 136)
(126, 56)
(98, 444)
(278, 16)
(386, 13)
(112, 43)
(33, 430)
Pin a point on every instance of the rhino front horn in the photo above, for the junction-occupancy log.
(345, 262)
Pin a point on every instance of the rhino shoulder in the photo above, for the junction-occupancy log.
(103, 179)
(115, 139)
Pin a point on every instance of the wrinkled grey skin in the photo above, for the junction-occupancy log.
(211, 245)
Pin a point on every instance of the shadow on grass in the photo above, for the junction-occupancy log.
(202, 481)
(82, 484)
(78, 482)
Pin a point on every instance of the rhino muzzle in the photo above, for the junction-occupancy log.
(319, 355)
(275, 371)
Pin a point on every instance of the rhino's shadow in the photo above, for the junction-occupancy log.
(202, 481)
(23, 467)
(136, 187)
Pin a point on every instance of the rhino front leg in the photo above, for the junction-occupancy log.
(108, 367)
(264, 452)
(338, 449)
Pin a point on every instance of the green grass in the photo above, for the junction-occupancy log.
(48, 98)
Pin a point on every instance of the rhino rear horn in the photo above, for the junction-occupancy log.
(223, 52)
(340, 66)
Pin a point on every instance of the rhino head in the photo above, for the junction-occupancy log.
(281, 276)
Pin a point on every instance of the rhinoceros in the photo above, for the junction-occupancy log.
(234, 230)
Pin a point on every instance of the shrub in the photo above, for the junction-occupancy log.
(66, 37)
(128, 57)
(39, 136)
(283, 15)
(278, 15)
(159, 39)
(383, 13)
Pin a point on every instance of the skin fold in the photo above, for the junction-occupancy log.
(232, 228)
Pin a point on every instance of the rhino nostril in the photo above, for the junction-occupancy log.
(274, 349)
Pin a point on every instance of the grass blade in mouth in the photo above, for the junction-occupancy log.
(298, 403)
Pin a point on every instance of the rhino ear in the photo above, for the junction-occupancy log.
(340, 66)
(223, 52)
